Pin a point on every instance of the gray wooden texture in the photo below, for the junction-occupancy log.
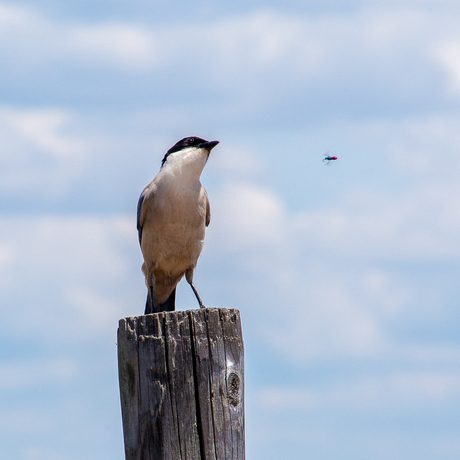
(181, 380)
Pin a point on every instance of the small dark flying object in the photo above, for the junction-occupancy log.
(327, 159)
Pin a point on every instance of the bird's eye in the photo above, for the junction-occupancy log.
(190, 140)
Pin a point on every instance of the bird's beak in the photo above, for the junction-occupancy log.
(208, 145)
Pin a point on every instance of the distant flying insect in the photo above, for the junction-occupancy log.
(327, 159)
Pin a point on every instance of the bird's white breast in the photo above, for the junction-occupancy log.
(175, 224)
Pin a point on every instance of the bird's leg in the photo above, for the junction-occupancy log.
(189, 278)
(197, 295)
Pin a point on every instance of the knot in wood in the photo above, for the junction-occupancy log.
(233, 388)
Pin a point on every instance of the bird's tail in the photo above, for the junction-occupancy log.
(148, 305)
(169, 305)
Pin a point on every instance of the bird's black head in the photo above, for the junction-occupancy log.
(188, 142)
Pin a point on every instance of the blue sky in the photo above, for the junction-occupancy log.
(346, 275)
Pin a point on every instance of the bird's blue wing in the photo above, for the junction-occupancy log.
(139, 211)
(208, 211)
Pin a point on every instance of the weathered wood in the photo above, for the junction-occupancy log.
(181, 380)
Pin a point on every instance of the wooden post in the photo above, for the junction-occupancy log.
(181, 380)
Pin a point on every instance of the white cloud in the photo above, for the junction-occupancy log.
(292, 253)
(426, 147)
(326, 319)
(83, 272)
(29, 39)
(94, 306)
(14, 18)
(236, 162)
(324, 265)
(448, 55)
(311, 283)
(417, 219)
(249, 215)
(6, 256)
(41, 128)
(119, 44)
(18, 375)
(421, 223)
(405, 390)
(248, 53)
(39, 156)
(307, 261)
(383, 291)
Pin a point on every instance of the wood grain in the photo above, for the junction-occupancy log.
(181, 378)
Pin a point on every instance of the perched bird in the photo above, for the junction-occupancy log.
(172, 214)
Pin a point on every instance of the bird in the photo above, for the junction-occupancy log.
(173, 212)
